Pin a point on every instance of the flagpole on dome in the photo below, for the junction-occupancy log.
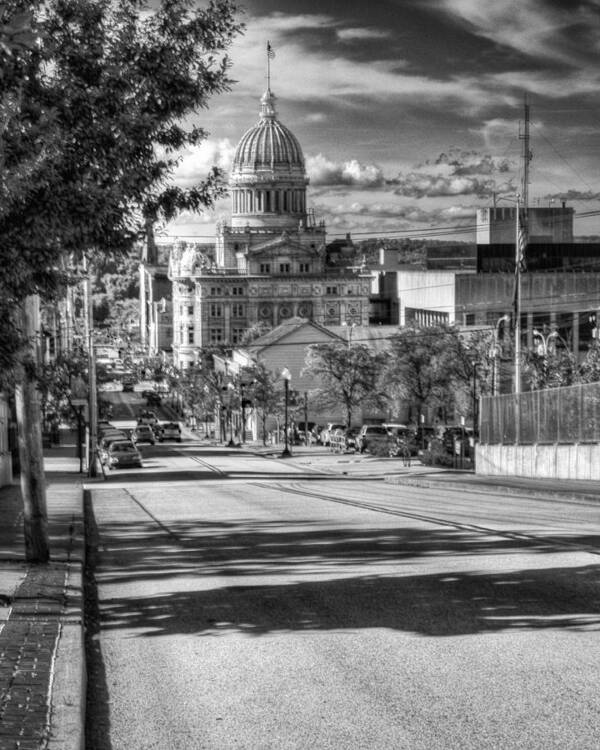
(270, 56)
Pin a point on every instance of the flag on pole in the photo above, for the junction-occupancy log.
(270, 51)
(521, 241)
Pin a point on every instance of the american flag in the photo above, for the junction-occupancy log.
(521, 241)
(270, 51)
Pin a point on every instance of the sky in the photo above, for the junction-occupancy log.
(409, 112)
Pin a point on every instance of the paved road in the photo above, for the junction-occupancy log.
(245, 602)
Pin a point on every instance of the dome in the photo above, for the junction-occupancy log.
(268, 145)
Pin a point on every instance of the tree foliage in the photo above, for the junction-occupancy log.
(349, 376)
(428, 366)
(92, 117)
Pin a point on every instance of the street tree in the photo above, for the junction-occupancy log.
(348, 376)
(426, 366)
(263, 389)
(96, 98)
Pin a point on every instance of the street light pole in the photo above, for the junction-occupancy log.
(286, 375)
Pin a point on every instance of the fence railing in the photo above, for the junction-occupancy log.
(554, 415)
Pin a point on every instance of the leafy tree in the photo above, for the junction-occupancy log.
(349, 376)
(264, 391)
(93, 94)
(427, 365)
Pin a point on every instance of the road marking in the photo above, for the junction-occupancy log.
(436, 520)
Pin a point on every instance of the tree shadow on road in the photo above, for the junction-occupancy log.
(349, 578)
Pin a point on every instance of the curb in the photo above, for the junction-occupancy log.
(506, 489)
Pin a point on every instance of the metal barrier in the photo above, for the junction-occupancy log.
(555, 415)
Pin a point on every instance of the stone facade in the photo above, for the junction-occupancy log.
(271, 263)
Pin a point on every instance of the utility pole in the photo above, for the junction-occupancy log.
(92, 392)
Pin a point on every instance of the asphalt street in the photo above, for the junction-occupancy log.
(242, 601)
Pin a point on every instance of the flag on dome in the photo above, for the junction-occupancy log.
(270, 51)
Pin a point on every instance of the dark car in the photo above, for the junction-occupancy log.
(403, 442)
(372, 438)
(147, 417)
(153, 398)
(121, 454)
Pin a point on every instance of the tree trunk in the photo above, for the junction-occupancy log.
(33, 481)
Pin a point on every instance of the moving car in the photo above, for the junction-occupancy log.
(168, 431)
(143, 433)
(121, 454)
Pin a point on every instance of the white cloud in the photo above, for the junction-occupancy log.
(323, 171)
(197, 161)
(354, 34)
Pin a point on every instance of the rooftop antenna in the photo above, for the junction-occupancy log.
(526, 157)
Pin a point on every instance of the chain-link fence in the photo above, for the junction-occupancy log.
(554, 415)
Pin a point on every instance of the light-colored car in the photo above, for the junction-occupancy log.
(324, 437)
(143, 433)
(121, 454)
(168, 431)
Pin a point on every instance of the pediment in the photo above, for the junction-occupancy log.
(283, 244)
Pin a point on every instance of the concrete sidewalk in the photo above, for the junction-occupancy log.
(42, 659)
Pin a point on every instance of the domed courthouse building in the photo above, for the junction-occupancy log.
(271, 263)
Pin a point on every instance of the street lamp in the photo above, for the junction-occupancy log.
(286, 376)
(496, 373)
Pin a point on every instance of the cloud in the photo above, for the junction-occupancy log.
(197, 161)
(356, 34)
(456, 172)
(322, 171)
(564, 32)
(298, 70)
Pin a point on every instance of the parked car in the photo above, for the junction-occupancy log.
(143, 433)
(328, 429)
(147, 417)
(153, 398)
(120, 454)
(112, 386)
(168, 431)
(343, 439)
(403, 441)
(109, 437)
(370, 435)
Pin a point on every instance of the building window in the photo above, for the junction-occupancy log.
(284, 268)
(304, 267)
(237, 335)
(215, 291)
(265, 268)
(216, 335)
(190, 310)
(190, 334)
(331, 290)
(237, 291)
(469, 319)
(216, 310)
(237, 310)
